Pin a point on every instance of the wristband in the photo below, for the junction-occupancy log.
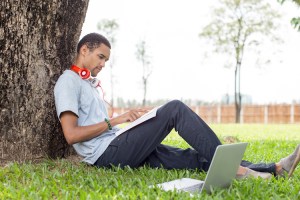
(108, 124)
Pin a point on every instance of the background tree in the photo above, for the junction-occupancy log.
(295, 20)
(37, 43)
(143, 57)
(236, 26)
(109, 28)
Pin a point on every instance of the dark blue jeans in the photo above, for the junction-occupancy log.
(142, 144)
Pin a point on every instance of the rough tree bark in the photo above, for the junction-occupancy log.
(37, 43)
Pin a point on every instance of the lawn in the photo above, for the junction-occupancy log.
(64, 179)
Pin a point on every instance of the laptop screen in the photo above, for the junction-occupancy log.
(225, 163)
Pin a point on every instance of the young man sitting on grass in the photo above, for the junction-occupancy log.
(87, 126)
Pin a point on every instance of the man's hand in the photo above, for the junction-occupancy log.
(131, 115)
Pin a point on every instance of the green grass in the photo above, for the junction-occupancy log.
(62, 179)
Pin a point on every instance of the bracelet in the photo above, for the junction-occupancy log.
(108, 124)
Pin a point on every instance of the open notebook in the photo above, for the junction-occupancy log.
(222, 171)
(145, 117)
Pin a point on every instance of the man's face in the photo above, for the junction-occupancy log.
(95, 60)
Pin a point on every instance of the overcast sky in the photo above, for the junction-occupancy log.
(183, 67)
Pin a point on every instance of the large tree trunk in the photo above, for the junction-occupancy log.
(37, 43)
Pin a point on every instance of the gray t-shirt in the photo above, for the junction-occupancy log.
(78, 96)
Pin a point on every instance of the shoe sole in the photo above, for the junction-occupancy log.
(296, 161)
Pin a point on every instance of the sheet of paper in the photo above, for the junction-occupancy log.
(145, 117)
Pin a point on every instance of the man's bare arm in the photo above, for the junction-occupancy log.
(74, 133)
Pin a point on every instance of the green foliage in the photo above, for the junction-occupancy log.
(295, 20)
(110, 28)
(236, 25)
(62, 179)
(142, 55)
(295, 1)
(296, 23)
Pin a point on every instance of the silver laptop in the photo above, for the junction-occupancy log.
(222, 171)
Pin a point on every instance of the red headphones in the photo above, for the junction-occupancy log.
(83, 72)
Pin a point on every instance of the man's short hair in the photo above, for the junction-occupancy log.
(92, 41)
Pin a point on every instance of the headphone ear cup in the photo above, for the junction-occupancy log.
(85, 73)
(82, 72)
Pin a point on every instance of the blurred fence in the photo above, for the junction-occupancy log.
(280, 113)
(277, 113)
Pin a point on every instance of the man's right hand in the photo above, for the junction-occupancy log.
(131, 115)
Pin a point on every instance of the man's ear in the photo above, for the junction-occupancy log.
(83, 50)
